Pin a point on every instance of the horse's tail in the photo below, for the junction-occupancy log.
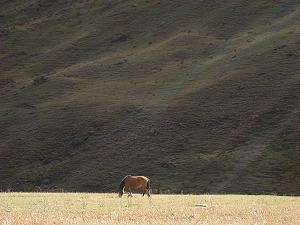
(148, 184)
(122, 184)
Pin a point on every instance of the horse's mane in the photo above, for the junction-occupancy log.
(122, 184)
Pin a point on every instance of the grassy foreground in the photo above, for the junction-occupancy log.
(84, 208)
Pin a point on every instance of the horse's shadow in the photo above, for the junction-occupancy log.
(132, 202)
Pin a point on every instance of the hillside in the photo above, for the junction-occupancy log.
(201, 96)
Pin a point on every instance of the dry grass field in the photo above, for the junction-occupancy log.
(85, 208)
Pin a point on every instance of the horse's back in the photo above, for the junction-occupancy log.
(138, 177)
(143, 178)
(137, 181)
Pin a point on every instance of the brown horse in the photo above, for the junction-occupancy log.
(130, 183)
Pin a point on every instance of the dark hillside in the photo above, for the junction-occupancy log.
(201, 96)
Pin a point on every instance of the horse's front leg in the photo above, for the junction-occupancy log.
(129, 193)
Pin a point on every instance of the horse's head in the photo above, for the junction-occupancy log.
(121, 192)
(122, 186)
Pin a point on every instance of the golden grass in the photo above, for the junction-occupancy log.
(88, 208)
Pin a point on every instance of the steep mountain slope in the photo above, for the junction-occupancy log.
(201, 96)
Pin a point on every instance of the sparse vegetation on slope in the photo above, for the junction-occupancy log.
(201, 96)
